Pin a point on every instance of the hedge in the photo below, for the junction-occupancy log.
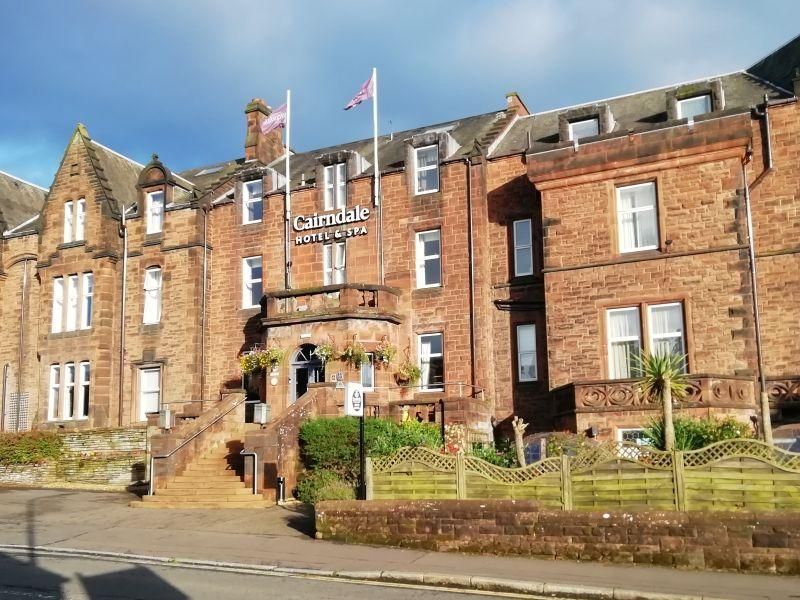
(29, 448)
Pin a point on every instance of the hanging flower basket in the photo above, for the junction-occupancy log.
(261, 360)
(354, 354)
(325, 352)
(384, 353)
(408, 374)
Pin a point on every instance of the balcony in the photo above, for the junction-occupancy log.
(332, 302)
(704, 391)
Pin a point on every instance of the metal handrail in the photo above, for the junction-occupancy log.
(476, 389)
(151, 490)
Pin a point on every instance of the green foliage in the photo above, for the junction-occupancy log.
(662, 370)
(332, 444)
(693, 434)
(322, 484)
(325, 352)
(564, 442)
(29, 448)
(384, 353)
(261, 360)
(502, 453)
(408, 373)
(354, 354)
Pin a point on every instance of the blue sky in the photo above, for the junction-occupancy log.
(173, 77)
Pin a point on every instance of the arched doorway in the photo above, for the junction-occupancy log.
(306, 368)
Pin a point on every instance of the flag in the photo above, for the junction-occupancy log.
(275, 120)
(365, 93)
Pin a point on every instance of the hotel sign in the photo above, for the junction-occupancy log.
(345, 221)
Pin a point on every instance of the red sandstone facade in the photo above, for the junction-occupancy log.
(514, 320)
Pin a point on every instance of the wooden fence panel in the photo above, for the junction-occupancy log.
(621, 483)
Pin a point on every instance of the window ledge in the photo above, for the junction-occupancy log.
(150, 327)
(426, 193)
(247, 223)
(76, 244)
(68, 334)
(636, 254)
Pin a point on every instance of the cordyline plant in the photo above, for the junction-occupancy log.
(664, 380)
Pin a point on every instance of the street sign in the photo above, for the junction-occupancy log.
(354, 399)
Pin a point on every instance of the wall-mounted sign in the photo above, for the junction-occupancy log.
(343, 216)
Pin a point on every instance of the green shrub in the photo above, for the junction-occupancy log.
(29, 448)
(693, 434)
(332, 444)
(322, 484)
(564, 442)
(502, 453)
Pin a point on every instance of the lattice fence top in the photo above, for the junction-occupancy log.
(503, 475)
(426, 456)
(646, 456)
(743, 448)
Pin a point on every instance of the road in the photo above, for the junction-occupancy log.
(56, 578)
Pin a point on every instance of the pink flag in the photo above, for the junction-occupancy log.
(365, 93)
(275, 120)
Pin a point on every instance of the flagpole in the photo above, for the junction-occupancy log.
(288, 202)
(377, 169)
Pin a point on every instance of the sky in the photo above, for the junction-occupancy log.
(173, 76)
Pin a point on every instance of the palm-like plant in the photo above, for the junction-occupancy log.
(664, 379)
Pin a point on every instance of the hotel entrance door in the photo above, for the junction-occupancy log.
(306, 368)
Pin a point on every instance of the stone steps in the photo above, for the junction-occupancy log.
(254, 504)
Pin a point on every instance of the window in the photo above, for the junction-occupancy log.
(693, 107)
(368, 372)
(426, 169)
(253, 201)
(637, 218)
(69, 222)
(584, 128)
(429, 259)
(526, 353)
(335, 182)
(80, 220)
(155, 212)
(431, 361)
(149, 391)
(633, 436)
(523, 248)
(333, 259)
(152, 296)
(82, 409)
(72, 303)
(69, 391)
(55, 396)
(252, 282)
(58, 305)
(666, 334)
(87, 289)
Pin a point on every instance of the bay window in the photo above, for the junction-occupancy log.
(87, 291)
(82, 408)
(368, 372)
(68, 411)
(54, 396)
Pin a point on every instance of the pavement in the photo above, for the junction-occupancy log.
(279, 540)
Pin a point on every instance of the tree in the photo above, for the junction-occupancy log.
(519, 431)
(664, 380)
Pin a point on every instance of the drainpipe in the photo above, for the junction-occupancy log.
(766, 419)
(21, 350)
(470, 252)
(203, 309)
(123, 232)
(3, 398)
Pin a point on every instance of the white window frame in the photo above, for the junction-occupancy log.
(152, 296)
(87, 299)
(640, 441)
(248, 281)
(369, 365)
(71, 322)
(69, 222)
(520, 247)
(334, 270)
(80, 220)
(335, 185)
(155, 216)
(595, 120)
(248, 198)
(422, 259)
(142, 391)
(671, 335)
(683, 101)
(84, 390)
(54, 393)
(628, 338)
(418, 170)
(520, 377)
(637, 211)
(57, 323)
(70, 375)
(425, 387)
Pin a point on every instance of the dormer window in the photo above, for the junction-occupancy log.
(335, 182)
(426, 169)
(252, 201)
(155, 212)
(690, 108)
(584, 128)
(74, 221)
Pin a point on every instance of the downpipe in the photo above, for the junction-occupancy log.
(21, 349)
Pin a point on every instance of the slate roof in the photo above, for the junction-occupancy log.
(779, 66)
(19, 201)
(638, 111)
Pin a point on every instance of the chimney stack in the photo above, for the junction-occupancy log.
(258, 146)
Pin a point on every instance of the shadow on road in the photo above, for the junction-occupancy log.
(300, 517)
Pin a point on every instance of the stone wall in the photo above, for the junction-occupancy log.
(754, 542)
(102, 459)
